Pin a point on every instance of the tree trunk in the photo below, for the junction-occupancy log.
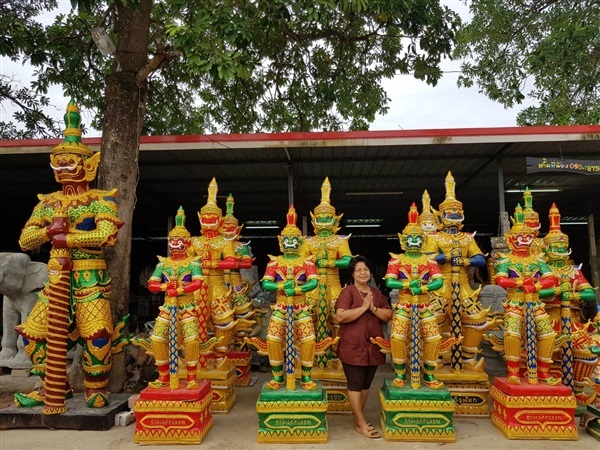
(125, 110)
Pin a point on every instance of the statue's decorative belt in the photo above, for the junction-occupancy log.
(89, 264)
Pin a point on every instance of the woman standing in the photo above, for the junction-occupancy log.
(361, 310)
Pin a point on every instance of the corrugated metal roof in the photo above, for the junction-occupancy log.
(176, 170)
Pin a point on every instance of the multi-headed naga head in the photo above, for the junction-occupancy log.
(557, 242)
(179, 237)
(451, 210)
(413, 237)
(324, 220)
(520, 236)
(210, 215)
(72, 161)
(290, 239)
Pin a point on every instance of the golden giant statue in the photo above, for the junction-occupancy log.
(74, 305)
(462, 314)
(217, 254)
(331, 252)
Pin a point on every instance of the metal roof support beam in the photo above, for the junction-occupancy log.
(503, 215)
(290, 178)
(593, 255)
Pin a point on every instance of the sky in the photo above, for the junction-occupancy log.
(413, 104)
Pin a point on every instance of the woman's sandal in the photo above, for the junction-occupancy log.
(371, 433)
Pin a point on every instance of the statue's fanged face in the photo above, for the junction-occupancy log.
(67, 167)
(210, 221)
(521, 240)
(429, 226)
(534, 224)
(179, 245)
(290, 244)
(452, 217)
(558, 250)
(230, 230)
(324, 222)
(413, 242)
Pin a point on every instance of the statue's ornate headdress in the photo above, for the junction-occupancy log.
(211, 203)
(413, 236)
(532, 218)
(413, 227)
(450, 202)
(427, 215)
(324, 216)
(325, 206)
(291, 229)
(518, 221)
(72, 142)
(229, 218)
(179, 230)
(555, 234)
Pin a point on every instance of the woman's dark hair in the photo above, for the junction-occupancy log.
(356, 260)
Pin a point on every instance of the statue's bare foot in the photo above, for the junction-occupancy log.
(34, 398)
(433, 384)
(192, 384)
(274, 385)
(514, 379)
(96, 398)
(309, 385)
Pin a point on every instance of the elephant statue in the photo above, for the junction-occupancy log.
(20, 280)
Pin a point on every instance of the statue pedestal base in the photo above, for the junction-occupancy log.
(241, 361)
(424, 415)
(221, 382)
(533, 411)
(77, 417)
(165, 416)
(593, 426)
(335, 385)
(469, 390)
(292, 417)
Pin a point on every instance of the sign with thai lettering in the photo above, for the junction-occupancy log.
(580, 166)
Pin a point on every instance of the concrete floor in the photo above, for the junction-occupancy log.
(238, 430)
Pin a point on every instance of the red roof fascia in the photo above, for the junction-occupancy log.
(334, 135)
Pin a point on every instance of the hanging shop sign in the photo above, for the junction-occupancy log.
(581, 166)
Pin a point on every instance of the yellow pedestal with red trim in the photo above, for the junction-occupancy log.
(241, 361)
(526, 411)
(222, 384)
(165, 416)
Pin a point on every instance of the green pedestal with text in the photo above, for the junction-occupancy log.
(416, 414)
(287, 417)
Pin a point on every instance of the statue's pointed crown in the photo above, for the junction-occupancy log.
(518, 220)
(413, 227)
(72, 142)
(179, 230)
(426, 214)
(291, 218)
(229, 217)
(325, 206)
(450, 201)
(528, 211)
(211, 203)
(555, 233)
